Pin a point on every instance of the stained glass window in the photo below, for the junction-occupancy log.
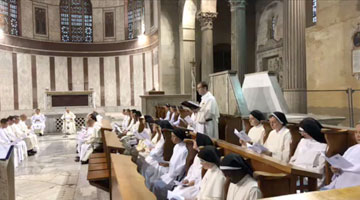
(76, 21)
(9, 16)
(136, 25)
(314, 11)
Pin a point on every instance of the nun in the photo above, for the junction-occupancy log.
(348, 177)
(279, 139)
(309, 151)
(173, 170)
(257, 132)
(212, 184)
(242, 185)
(190, 186)
(168, 112)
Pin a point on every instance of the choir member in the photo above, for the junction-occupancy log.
(38, 122)
(69, 126)
(13, 137)
(242, 185)
(87, 147)
(309, 151)
(20, 134)
(212, 184)
(5, 140)
(257, 131)
(125, 122)
(279, 139)
(29, 132)
(173, 118)
(208, 115)
(168, 112)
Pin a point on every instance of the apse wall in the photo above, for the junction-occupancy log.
(118, 72)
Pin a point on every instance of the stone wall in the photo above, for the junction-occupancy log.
(329, 57)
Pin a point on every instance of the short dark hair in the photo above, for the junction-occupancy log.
(3, 121)
(128, 110)
(204, 85)
(10, 118)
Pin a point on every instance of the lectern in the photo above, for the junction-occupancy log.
(7, 175)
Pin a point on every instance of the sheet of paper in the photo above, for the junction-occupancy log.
(189, 120)
(199, 128)
(145, 134)
(4, 150)
(338, 161)
(242, 135)
(149, 144)
(258, 148)
(173, 196)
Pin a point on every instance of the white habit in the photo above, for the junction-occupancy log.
(278, 144)
(30, 134)
(87, 147)
(208, 115)
(257, 133)
(212, 185)
(246, 189)
(38, 123)
(69, 125)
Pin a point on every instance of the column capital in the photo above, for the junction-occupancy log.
(237, 4)
(206, 19)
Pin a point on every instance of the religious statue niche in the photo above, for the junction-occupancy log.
(272, 27)
(275, 65)
(9, 16)
(76, 21)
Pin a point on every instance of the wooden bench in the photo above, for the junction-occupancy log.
(351, 193)
(126, 182)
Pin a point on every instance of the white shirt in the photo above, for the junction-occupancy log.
(125, 122)
(278, 144)
(209, 111)
(212, 185)
(246, 189)
(36, 118)
(177, 163)
(168, 115)
(257, 133)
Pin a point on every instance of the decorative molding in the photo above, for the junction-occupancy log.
(237, 4)
(206, 19)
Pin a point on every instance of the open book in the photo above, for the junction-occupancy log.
(258, 148)
(338, 161)
(242, 135)
(190, 104)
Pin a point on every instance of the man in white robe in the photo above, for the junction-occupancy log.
(208, 115)
(69, 126)
(18, 152)
(28, 132)
(22, 135)
(348, 177)
(38, 122)
(175, 169)
(13, 137)
(87, 145)
(279, 139)
(242, 185)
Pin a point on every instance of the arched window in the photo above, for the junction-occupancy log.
(9, 16)
(76, 21)
(136, 21)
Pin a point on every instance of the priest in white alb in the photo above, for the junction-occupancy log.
(69, 126)
(38, 122)
(208, 115)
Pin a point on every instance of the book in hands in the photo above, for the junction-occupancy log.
(189, 120)
(190, 104)
(258, 148)
(242, 135)
(338, 161)
(149, 144)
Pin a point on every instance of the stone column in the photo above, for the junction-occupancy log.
(238, 37)
(295, 56)
(207, 57)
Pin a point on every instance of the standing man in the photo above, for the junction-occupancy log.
(208, 114)
(38, 122)
(69, 126)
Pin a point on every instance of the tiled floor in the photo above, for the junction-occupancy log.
(52, 174)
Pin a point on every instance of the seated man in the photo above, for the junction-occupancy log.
(13, 137)
(129, 140)
(257, 131)
(145, 132)
(212, 184)
(126, 120)
(242, 184)
(69, 126)
(175, 169)
(190, 186)
(348, 177)
(4, 139)
(38, 122)
(20, 134)
(28, 132)
(279, 139)
(87, 146)
(309, 151)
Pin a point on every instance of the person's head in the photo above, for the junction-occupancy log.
(90, 122)
(357, 133)
(132, 113)
(124, 111)
(92, 116)
(209, 157)
(164, 124)
(10, 120)
(202, 88)
(3, 122)
(167, 107)
(149, 120)
(201, 141)
(16, 119)
(310, 128)
(177, 135)
(179, 109)
(256, 117)
(23, 117)
(67, 110)
(235, 168)
(277, 120)
(173, 109)
(137, 115)
(128, 111)
(37, 111)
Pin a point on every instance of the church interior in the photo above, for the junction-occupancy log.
(179, 99)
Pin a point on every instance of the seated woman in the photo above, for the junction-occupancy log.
(279, 140)
(212, 184)
(257, 132)
(348, 177)
(190, 186)
(88, 144)
(171, 171)
(311, 146)
(242, 184)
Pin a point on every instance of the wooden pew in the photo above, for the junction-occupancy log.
(126, 182)
(351, 193)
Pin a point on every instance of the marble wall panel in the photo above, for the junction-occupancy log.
(54, 23)
(98, 28)
(148, 71)
(138, 79)
(119, 25)
(24, 81)
(77, 73)
(27, 19)
(94, 77)
(110, 81)
(156, 69)
(43, 78)
(61, 75)
(6, 81)
(124, 71)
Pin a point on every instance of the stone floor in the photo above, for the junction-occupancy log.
(52, 174)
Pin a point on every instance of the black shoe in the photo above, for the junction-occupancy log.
(84, 162)
(77, 159)
(30, 153)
